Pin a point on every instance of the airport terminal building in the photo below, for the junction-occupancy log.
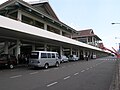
(25, 27)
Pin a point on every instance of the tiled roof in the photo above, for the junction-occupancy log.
(88, 32)
(85, 33)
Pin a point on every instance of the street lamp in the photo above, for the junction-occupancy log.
(115, 23)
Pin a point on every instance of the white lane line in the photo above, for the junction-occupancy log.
(56, 68)
(52, 84)
(62, 67)
(16, 76)
(76, 74)
(82, 70)
(33, 73)
(91, 67)
(46, 70)
(87, 69)
(66, 77)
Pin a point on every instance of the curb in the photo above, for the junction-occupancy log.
(115, 84)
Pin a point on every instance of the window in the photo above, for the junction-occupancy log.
(89, 39)
(57, 55)
(53, 55)
(34, 55)
(49, 55)
(43, 55)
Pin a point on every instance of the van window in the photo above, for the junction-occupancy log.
(43, 55)
(34, 55)
(49, 55)
(53, 55)
(57, 55)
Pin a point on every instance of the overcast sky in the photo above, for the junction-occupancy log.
(90, 14)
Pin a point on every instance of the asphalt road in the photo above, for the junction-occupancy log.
(81, 75)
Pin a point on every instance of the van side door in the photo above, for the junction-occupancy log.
(43, 59)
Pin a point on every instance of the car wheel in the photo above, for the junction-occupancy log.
(57, 64)
(11, 66)
(46, 66)
(62, 61)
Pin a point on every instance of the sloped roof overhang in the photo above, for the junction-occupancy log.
(18, 30)
(29, 8)
(84, 36)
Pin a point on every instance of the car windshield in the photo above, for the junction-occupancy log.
(71, 55)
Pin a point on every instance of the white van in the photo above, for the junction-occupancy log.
(44, 59)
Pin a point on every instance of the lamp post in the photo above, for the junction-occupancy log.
(115, 23)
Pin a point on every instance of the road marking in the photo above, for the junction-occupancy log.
(82, 70)
(46, 70)
(76, 74)
(87, 69)
(91, 67)
(16, 76)
(66, 77)
(52, 84)
(62, 67)
(33, 73)
(56, 68)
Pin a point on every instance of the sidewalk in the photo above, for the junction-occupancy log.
(22, 65)
(115, 85)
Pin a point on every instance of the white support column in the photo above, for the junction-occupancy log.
(6, 47)
(61, 33)
(71, 36)
(61, 50)
(84, 54)
(33, 47)
(45, 47)
(71, 51)
(45, 26)
(78, 53)
(19, 16)
(18, 48)
(93, 42)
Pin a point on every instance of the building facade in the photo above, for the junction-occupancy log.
(87, 36)
(34, 26)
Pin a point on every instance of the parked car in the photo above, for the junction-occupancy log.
(44, 59)
(73, 58)
(8, 60)
(64, 58)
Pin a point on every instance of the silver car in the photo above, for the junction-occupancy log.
(73, 58)
(64, 58)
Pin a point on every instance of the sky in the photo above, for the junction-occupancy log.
(90, 14)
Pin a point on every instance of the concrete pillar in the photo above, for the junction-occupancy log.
(45, 26)
(61, 50)
(84, 54)
(19, 16)
(70, 36)
(71, 51)
(6, 47)
(78, 53)
(33, 47)
(93, 42)
(17, 48)
(45, 47)
(61, 32)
